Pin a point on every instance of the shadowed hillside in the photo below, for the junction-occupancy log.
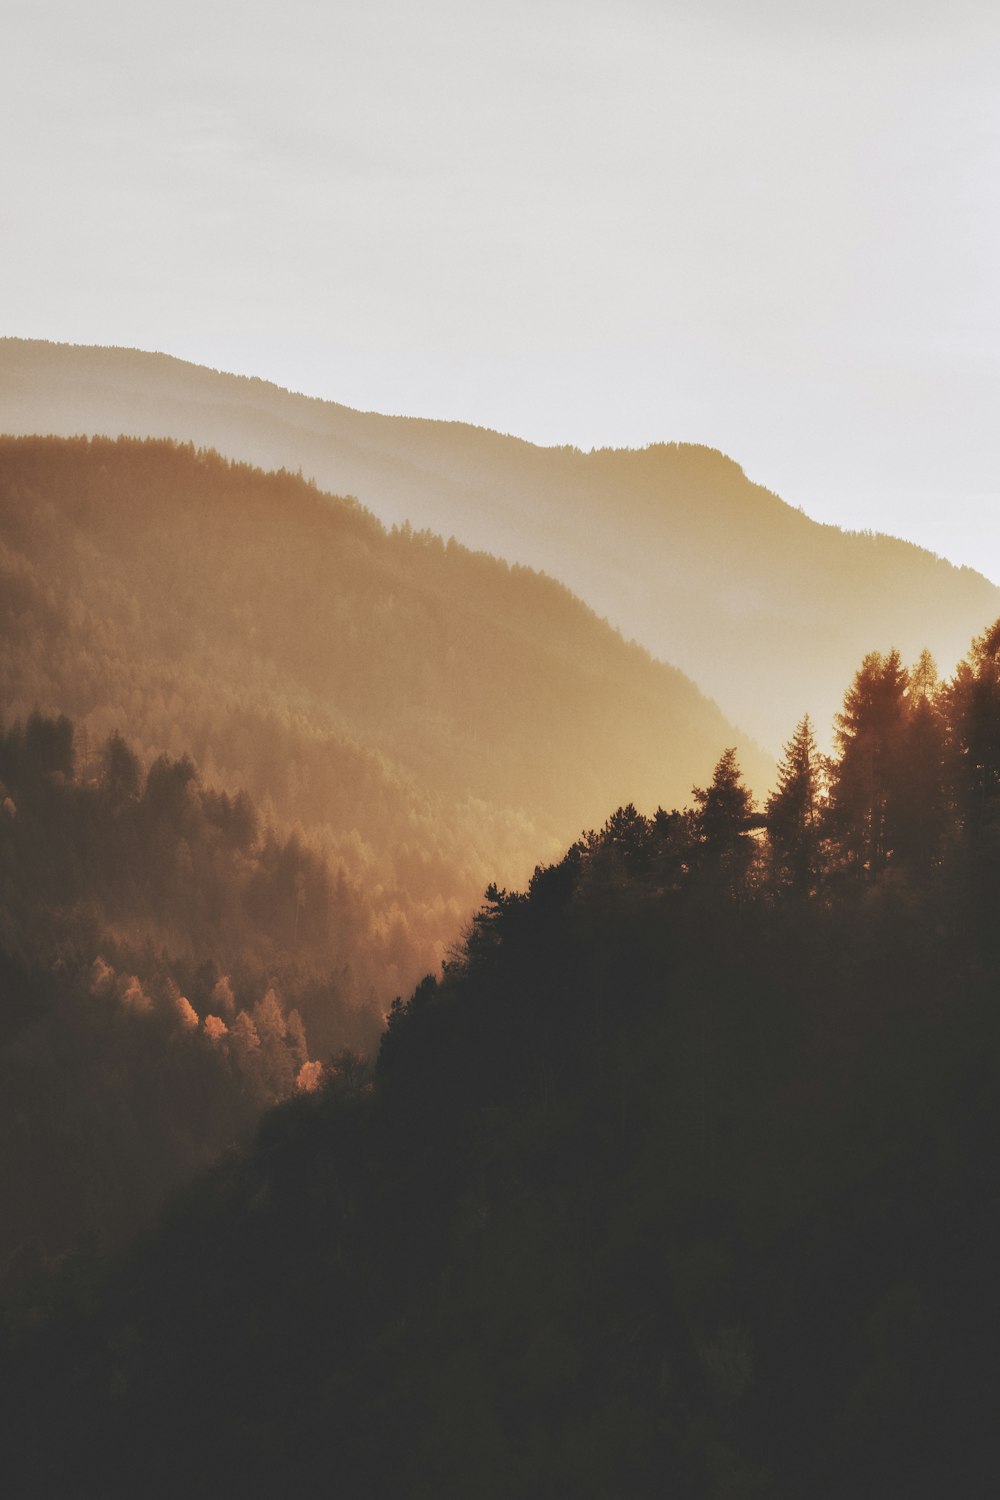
(765, 609)
(680, 1180)
(161, 957)
(426, 715)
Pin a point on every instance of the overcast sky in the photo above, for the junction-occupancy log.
(771, 226)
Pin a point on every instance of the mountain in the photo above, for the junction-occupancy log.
(768, 611)
(425, 716)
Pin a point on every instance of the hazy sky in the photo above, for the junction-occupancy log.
(772, 227)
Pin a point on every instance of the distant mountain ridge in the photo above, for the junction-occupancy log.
(767, 610)
(429, 716)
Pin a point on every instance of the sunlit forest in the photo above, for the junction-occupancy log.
(161, 955)
(765, 609)
(677, 1177)
(427, 718)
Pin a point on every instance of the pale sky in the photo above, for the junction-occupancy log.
(772, 226)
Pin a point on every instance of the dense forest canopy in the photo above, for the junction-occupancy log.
(765, 609)
(680, 1176)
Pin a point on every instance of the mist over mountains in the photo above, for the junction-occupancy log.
(766, 610)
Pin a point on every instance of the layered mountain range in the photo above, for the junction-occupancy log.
(768, 611)
(677, 1173)
(259, 758)
(430, 718)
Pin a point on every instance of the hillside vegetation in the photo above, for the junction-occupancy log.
(162, 956)
(680, 1179)
(427, 717)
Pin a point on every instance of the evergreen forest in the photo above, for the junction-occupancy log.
(677, 1177)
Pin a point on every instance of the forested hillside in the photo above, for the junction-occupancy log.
(679, 1179)
(429, 718)
(162, 957)
(765, 609)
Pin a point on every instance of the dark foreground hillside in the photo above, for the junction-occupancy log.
(680, 1180)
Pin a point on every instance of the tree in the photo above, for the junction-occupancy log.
(924, 682)
(973, 713)
(671, 840)
(121, 772)
(48, 745)
(971, 706)
(625, 841)
(920, 806)
(793, 823)
(170, 785)
(722, 821)
(864, 782)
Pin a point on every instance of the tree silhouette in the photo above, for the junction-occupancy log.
(793, 821)
(122, 772)
(974, 712)
(625, 840)
(869, 731)
(920, 806)
(722, 821)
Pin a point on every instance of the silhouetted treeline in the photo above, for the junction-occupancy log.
(161, 954)
(679, 1179)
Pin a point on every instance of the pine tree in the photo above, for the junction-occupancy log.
(722, 821)
(626, 835)
(973, 714)
(870, 734)
(919, 811)
(793, 826)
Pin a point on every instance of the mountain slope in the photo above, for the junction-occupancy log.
(431, 717)
(768, 611)
(667, 1188)
(161, 957)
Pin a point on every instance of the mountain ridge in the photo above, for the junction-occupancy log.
(432, 716)
(765, 609)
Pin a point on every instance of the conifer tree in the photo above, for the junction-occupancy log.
(722, 821)
(870, 732)
(972, 726)
(626, 835)
(793, 812)
(919, 808)
(973, 709)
